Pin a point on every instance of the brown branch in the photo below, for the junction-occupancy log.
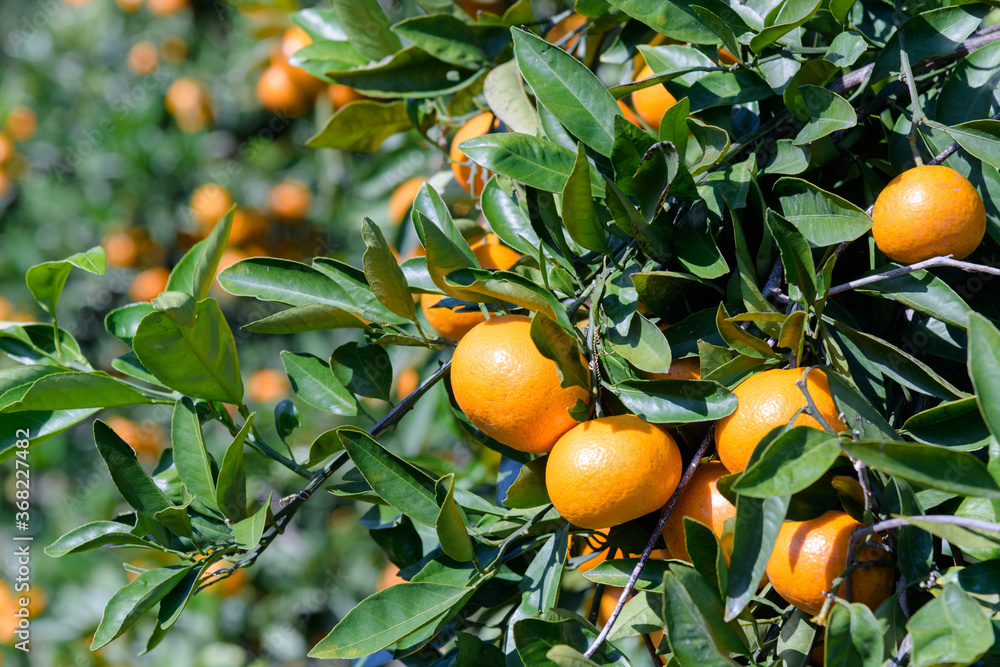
(927, 263)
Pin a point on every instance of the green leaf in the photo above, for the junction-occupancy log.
(364, 370)
(189, 347)
(739, 339)
(853, 636)
(325, 445)
(695, 244)
(322, 56)
(362, 126)
(71, 391)
(688, 632)
(528, 489)
(487, 286)
(535, 637)
(981, 578)
(670, 18)
(190, 453)
(315, 383)
(788, 158)
(134, 600)
(568, 89)
(537, 163)
(93, 535)
(790, 463)
(627, 217)
(935, 467)
(645, 346)
(543, 578)
(983, 545)
(411, 72)
(781, 20)
(949, 630)
(452, 532)
(401, 484)
(505, 96)
(822, 217)
(567, 656)
(984, 368)
(933, 33)
(366, 27)
(922, 291)
(957, 424)
(796, 640)
(450, 39)
(195, 272)
(122, 322)
(314, 317)
(353, 282)
(968, 92)
(578, 213)
(384, 274)
(231, 490)
(46, 280)
(829, 112)
(247, 533)
(562, 347)
(707, 556)
(757, 523)
(41, 424)
(675, 401)
(136, 487)
(616, 572)
(383, 619)
(796, 257)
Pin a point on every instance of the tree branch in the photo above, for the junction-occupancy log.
(917, 115)
(927, 263)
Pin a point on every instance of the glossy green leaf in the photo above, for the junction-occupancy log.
(675, 401)
(314, 317)
(958, 424)
(707, 555)
(528, 490)
(822, 217)
(627, 217)
(362, 126)
(645, 346)
(506, 98)
(578, 213)
(189, 347)
(247, 533)
(365, 370)
(367, 27)
(828, 111)
(984, 368)
(739, 339)
(688, 632)
(935, 467)
(353, 282)
(190, 453)
(981, 578)
(757, 523)
(790, 463)
(537, 163)
(388, 616)
(543, 578)
(535, 637)
(195, 272)
(695, 245)
(94, 535)
(968, 92)
(853, 636)
(315, 383)
(231, 489)
(411, 72)
(122, 322)
(507, 286)
(616, 572)
(924, 292)
(671, 18)
(134, 600)
(567, 656)
(320, 57)
(71, 391)
(978, 544)
(788, 158)
(949, 630)
(796, 258)
(136, 487)
(46, 280)
(448, 38)
(568, 89)
(41, 424)
(451, 529)
(562, 347)
(932, 33)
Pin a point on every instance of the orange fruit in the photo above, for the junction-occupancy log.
(928, 211)
(607, 471)
(165, 7)
(294, 39)
(461, 166)
(5, 183)
(10, 604)
(580, 545)
(702, 502)
(229, 257)
(146, 438)
(628, 113)
(341, 95)
(6, 148)
(767, 400)
(21, 123)
(173, 48)
(688, 368)
(389, 576)
(185, 96)
(143, 58)
(248, 224)
(129, 5)
(6, 309)
(121, 249)
(267, 385)
(809, 555)
(652, 102)
(726, 57)
(229, 586)
(277, 91)
(289, 200)
(402, 198)
(564, 27)
(148, 284)
(209, 203)
(507, 388)
(406, 382)
(607, 605)
(473, 7)
(454, 323)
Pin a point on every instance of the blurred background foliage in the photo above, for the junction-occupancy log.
(133, 125)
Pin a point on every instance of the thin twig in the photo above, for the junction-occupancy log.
(904, 647)
(917, 115)
(811, 408)
(927, 263)
(644, 558)
(951, 150)
(648, 641)
(866, 486)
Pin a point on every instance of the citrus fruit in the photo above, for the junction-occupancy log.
(341, 95)
(5, 183)
(276, 91)
(702, 502)
(6, 309)
(726, 57)
(402, 198)
(248, 224)
(461, 166)
(21, 123)
(7, 149)
(581, 545)
(928, 211)
(688, 368)
(607, 606)
(628, 113)
(406, 382)
(454, 323)
(767, 400)
(289, 200)
(148, 284)
(129, 5)
(165, 7)
(267, 385)
(565, 27)
(10, 604)
(652, 102)
(389, 576)
(610, 470)
(146, 438)
(185, 96)
(173, 48)
(209, 203)
(809, 555)
(295, 39)
(143, 58)
(121, 249)
(507, 388)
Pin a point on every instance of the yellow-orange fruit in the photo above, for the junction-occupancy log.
(6, 309)
(809, 555)
(652, 102)
(209, 202)
(267, 385)
(341, 95)
(294, 39)
(454, 323)
(507, 388)
(10, 604)
(143, 58)
(726, 57)
(928, 211)
(688, 368)
(129, 5)
(185, 96)
(607, 471)
(146, 438)
(461, 166)
(289, 200)
(628, 113)
(21, 123)
(148, 284)
(406, 382)
(402, 198)
(389, 576)
(121, 249)
(276, 91)
(7, 149)
(702, 502)
(248, 225)
(165, 7)
(565, 27)
(767, 400)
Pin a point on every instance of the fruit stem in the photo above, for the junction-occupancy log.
(917, 116)
(644, 558)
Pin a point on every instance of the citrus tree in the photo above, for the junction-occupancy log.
(729, 421)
